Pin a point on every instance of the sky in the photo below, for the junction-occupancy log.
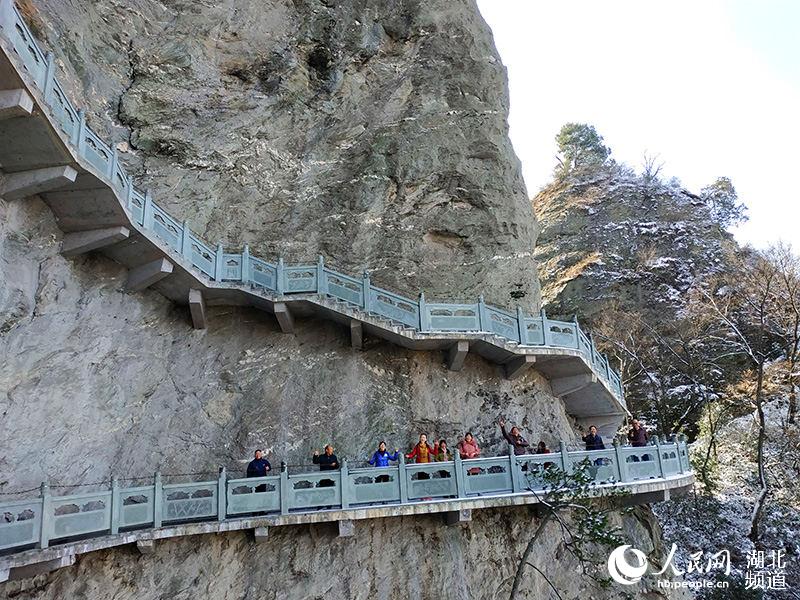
(712, 88)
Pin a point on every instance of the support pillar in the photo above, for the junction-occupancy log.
(197, 308)
(457, 517)
(80, 242)
(356, 334)
(14, 186)
(456, 355)
(147, 274)
(15, 103)
(284, 316)
(516, 367)
(146, 546)
(347, 528)
(260, 534)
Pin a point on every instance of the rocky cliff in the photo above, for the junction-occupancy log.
(373, 132)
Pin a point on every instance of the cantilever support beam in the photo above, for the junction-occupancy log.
(92, 239)
(197, 307)
(457, 517)
(564, 386)
(356, 334)
(516, 367)
(146, 546)
(260, 534)
(284, 316)
(147, 274)
(27, 183)
(457, 354)
(15, 103)
(347, 528)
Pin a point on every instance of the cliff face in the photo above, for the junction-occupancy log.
(372, 132)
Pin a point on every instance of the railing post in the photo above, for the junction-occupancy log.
(566, 464)
(344, 482)
(516, 473)
(681, 440)
(546, 335)
(280, 277)
(577, 332)
(521, 327)
(218, 262)
(49, 77)
(483, 315)
(322, 281)
(158, 500)
(622, 467)
(424, 318)
(116, 506)
(246, 264)
(403, 480)
(460, 474)
(284, 490)
(366, 291)
(147, 211)
(222, 494)
(129, 194)
(186, 242)
(80, 130)
(112, 164)
(658, 453)
(47, 509)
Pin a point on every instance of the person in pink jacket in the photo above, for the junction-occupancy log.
(468, 448)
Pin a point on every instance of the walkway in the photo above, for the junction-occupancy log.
(48, 150)
(141, 514)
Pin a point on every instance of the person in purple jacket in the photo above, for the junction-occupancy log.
(637, 436)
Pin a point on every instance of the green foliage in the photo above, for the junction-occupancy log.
(723, 202)
(580, 146)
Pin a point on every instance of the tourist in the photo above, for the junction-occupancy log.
(542, 448)
(259, 467)
(327, 461)
(380, 458)
(637, 436)
(441, 453)
(468, 448)
(422, 452)
(514, 437)
(593, 440)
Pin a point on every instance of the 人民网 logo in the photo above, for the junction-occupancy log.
(623, 571)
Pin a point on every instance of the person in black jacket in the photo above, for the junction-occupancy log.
(327, 461)
(259, 467)
(593, 440)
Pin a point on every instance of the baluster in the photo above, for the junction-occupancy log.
(678, 442)
(366, 292)
(112, 165)
(460, 474)
(78, 132)
(566, 464)
(660, 458)
(521, 327)
(246, 264)
(222, 495)
(516, 471)
(147, 211)
(322, 281)
(284, 489)
(483, 315)
(424, 317)
(46, 520)
(280, 277)
(129, 194)
(546, 335)
(158, 499)
(218, 263)
(116, 506)
(344, 485)
(622, 466)
(402, 479)
(577, 332)
(49, 77)
(186, 242)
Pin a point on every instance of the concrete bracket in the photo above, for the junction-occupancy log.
(517, 366)
(284, 316)
(197, 308)
(29, 183)
(80, 242)
(457, 354)
(15, 103)
(147, 274)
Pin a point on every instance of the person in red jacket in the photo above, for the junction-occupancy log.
(422, 453)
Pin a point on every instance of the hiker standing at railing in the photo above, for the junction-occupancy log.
(441, 453)
(327, 461)
(381, 458)
(421, 453)
(637, 436)
(259, 467)
(593, 440)
(468, 448)
(514, 437)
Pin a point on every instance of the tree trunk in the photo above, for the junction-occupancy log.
(525, 555)
(758, 509)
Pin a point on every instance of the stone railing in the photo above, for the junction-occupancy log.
(38, 522)
(215, 264)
